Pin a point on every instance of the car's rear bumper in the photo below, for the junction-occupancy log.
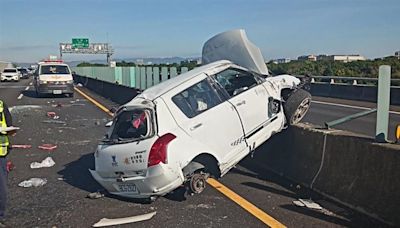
(55, 89)
(158, 181)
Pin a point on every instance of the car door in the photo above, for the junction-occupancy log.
(209, 119)
(250, 98)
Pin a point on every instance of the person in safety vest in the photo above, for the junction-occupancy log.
(5, 120)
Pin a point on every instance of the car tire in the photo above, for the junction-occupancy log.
(296, 106)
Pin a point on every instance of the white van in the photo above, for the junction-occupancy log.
(53, 77)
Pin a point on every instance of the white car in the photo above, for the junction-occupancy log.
(198, 124)
(10, 74)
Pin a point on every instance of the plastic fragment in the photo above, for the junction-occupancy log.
(33, 182)
(95, 195)
(54, 121)
(79, 85)
(51, 114)
(22, 146)
(310, 204)
(9, 166)
(118, 221)
(47, 162)
(48, 147)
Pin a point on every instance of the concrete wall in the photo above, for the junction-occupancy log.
(117, 93)
(355, 171)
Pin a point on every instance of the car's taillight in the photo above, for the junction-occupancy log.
(158, 152)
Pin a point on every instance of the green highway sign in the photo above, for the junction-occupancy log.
(80, 43)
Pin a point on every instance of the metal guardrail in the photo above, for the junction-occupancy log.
(348, 80)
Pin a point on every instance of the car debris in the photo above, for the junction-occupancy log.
(52, 115)
(95, 195)
(48, 146)
(33, 182)
(9, 166)
(119, 221)
(54, 121)
(307, 203)
(21, 146)
(222, 111)
(47, 162)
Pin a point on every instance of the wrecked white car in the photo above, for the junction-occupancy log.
(198, 124)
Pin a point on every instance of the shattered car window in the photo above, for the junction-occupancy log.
(235, 81)
(196, 99)
(130, 125)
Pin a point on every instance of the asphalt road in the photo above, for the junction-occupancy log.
(62, 201)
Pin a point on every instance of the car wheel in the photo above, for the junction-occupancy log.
(296, 106)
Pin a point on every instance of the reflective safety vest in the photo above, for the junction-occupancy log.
(3, 135)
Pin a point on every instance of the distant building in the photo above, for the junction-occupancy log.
(307, 58)
(397, 54)
(283, 60)
(342, 58)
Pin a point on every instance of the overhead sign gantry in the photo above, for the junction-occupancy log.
(82, 46)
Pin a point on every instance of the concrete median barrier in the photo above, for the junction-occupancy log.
(115, 92)
(355, 170)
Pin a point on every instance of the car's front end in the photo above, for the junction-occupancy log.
(132, 160)
(55, 86)
(10, 76)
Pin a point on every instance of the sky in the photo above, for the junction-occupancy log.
(31, 30)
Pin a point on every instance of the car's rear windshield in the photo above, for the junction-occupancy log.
(10, 71)
(132, 125)
(54, 69)
(22, 70)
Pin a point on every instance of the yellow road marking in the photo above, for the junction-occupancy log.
(94, 102)
(249, 207)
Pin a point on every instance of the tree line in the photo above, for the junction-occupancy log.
(368, 68)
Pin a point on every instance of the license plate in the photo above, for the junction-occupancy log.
(57, 91)
(127, 188)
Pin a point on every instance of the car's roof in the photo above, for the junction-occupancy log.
(10, 68)
(52, 63)
(157, 90)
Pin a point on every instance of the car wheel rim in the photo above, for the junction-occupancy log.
(301, 111)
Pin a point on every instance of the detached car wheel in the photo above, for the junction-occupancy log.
(296, 106)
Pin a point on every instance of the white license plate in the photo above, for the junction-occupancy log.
(127, 188)
(57, 91)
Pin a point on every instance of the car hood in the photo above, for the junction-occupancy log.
(234, 46)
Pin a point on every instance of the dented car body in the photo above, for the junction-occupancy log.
(200, 123)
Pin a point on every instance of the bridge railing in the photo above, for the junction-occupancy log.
(347, 80)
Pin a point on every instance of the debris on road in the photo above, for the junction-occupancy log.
(48, 147)
(33, 182)
(307, 203)
(79, 85)
(47, 162)
(53, 115)
(54, 121)
(95, 195)
(119, 221)
(9, 166)
(22, 146)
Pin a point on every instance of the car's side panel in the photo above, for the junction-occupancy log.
(218, 130)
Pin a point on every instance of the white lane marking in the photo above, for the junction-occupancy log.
(27, 88)
(349, 106)
(20, 96)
